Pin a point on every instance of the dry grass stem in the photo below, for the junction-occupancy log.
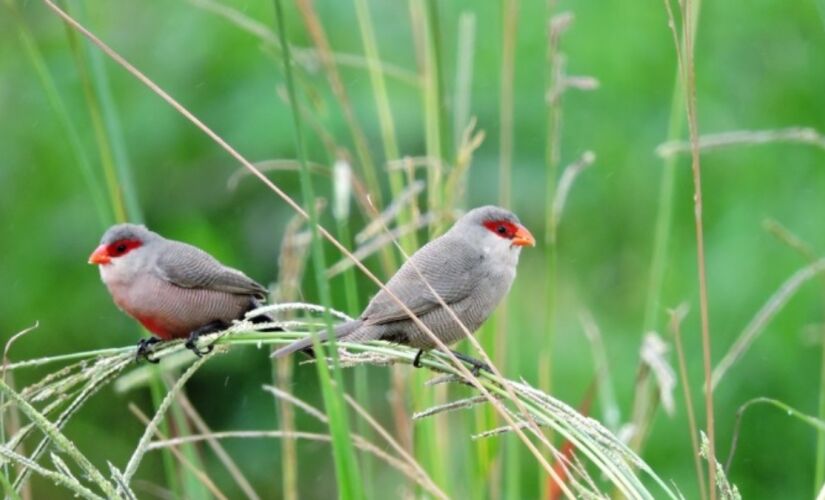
(422, 474)
(205, 479)
(227, 461)
(563, 189)
(765, 314)
(676, 317)
(736, 138)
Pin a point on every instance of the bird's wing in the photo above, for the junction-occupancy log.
(187, 266)
(449, 265)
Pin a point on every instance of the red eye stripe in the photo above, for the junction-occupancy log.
(502, 228)
(122, 247)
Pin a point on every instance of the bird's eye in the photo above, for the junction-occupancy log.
(501, 230)
(120, 248)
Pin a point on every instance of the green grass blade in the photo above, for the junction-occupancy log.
(114, 130)
(59, 439)
(347, 474)
(96, 190)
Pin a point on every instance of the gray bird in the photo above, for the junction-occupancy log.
(471, 267)
(173, 289)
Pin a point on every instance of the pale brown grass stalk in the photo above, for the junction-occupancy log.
(217, 448)
(686, 61)
(676, 317)
(203, 477)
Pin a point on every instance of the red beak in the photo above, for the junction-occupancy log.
(523, 237)
(100, 256)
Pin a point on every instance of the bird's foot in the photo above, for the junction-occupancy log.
(192, 341)
(417, 359)
(144, 349)
(477, 365)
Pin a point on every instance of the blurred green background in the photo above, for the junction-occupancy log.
(759, 65)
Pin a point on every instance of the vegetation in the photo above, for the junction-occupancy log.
(668, 158)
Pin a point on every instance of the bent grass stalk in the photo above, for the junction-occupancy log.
(594, 441)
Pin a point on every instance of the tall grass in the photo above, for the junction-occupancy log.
(332, 386)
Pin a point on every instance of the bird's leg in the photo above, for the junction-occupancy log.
(476, 364)
(191, 342)
(417, 359)
(144, 349)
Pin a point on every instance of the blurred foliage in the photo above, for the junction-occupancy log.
(759, 66)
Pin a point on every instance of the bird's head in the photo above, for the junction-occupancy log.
(121, 243)
(495, 227)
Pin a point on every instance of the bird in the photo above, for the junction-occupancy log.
(175, 290)
(471, 268)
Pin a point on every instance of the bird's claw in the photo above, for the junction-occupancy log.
(192, 345)
(477, 367)
(144, 349)
(417, 360)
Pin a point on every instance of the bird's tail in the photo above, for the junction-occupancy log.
(339, 331)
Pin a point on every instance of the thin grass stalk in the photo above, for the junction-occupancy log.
(790, 411)
(206, 483)
(806, 252)
(192, 485)
(437, 54)
(643, 411)
(689, 69)
(348, 476)
(216, 447)
(385, 116)
(291, 266)
(396, 179)
(93, 384)
(61, 479)
(431, 486)
(143, 443)
(676, 317)
(98, 127)
(59, 439)
(462, 96)
(664, 215)
(14, 420)
(342, 175)
(506, 104)
(552, 158)
(359, 442)
(157, 390)
(297, 208)
(503, 351)
(421, 17)
(8, 490)
(96, 191)
(427, 445)
(316, 32)
(111, 121)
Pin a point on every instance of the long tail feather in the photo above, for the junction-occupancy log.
(340, 331)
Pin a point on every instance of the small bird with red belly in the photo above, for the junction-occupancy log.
(173, 289)
(470, 268)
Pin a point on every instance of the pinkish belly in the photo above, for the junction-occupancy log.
(172, 312)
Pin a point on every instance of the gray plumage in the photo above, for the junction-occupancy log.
(470, 267)
(173, 288)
